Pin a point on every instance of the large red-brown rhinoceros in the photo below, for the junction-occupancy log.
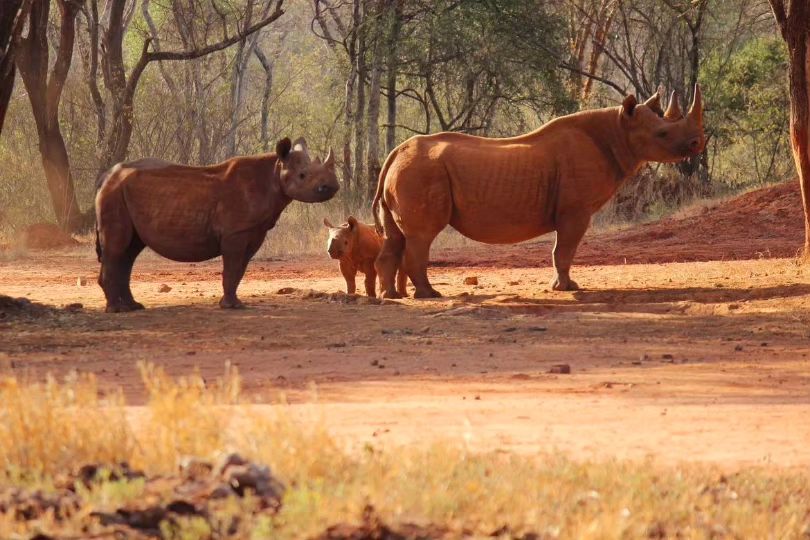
(503, 191)
(197, 213)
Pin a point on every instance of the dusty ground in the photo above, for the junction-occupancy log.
(704, 361)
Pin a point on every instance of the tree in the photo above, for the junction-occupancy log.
(793, 24)
(122, 85)
(12, 15)
(44, 89)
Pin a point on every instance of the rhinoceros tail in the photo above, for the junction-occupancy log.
(375, 204)
(100, 179)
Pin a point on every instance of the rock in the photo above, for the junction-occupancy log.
(74, 308)
(560, 369)
(286, 290)
(81, 281)
(738, 348)
(164, 288)
(667, 356)
(471, 280)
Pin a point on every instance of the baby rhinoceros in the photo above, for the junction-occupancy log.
(356, 245)
(191, 214)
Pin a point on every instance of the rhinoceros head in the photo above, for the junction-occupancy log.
(302, 178)
(341, 239)
(666, 136)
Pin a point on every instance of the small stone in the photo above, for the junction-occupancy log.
(560, 369)
(667, 356)
(738, 348)
(286, 290)
(164, 288)
(74, 308)
(81, 281)
(471, 280)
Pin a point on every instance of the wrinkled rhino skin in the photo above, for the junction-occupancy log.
(356, 246)
(503, 191)
(191, 214)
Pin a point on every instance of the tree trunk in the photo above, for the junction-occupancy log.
(795, 31)
(373, 118)
(268, 66)
(391, 76)
(9, 12)
(360, 110)
(45, 93)
(798, 44)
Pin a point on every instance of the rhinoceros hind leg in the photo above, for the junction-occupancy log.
(570, 230)
(402, 281)
(417, 253)
(390, 257)
(128, 260)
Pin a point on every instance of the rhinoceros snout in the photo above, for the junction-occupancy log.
(326, 191)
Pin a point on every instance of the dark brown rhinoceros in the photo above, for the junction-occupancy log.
(196, 213)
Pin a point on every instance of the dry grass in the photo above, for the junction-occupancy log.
(47, 428)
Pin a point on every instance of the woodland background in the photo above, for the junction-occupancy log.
(199, 81)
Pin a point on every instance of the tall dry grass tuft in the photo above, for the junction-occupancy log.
(49, 427)
(186, 416)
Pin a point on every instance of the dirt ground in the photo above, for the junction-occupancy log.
(698, 354)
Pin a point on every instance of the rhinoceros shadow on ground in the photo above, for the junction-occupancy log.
(641, 299)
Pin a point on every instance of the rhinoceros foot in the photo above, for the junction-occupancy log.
(560, 283)
(231, 303)
(427, 293)
(124, 307)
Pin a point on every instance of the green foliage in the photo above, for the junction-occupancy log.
(749, 111)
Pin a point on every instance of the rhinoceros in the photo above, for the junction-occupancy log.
(193, 214)
(503, 191)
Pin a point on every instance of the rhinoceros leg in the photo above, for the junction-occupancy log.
(390, 257)
(570, 230)
(135, 248)
(236, 254)
(417, 253)
(120, 246)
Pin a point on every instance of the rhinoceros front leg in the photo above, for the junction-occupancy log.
(236, 254)
(570, 230)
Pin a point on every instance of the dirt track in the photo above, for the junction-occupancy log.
(702, 361)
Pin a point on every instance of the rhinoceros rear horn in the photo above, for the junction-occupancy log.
(674, 109)
(654, 102)
(330, 160)
(696, 109)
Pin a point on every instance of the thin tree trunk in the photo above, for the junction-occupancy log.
(11, 14)
(360, 111)
(373, 118)
(45, 93)
(391, 76)
(267, 65)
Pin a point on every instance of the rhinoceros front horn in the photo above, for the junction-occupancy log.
(673, 111)
(330, 160)
(696, 109)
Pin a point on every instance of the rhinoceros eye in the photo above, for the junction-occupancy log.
(661, 134)
(301, 176)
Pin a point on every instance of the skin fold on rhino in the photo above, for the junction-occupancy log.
(192, 214)
(504, 191)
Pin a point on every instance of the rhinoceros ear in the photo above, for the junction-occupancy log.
(629, 105)
(328, 223)
(352, 221)
(283, 147)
